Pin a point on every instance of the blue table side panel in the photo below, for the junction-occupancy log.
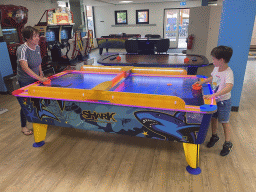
(201, 76)
(5, 65)
(203, 128)
(207, 89)
(132, 121)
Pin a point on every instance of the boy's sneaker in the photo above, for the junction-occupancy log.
(226, 148)
(212, 141)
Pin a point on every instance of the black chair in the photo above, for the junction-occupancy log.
(155, 36)
(152, 36)
(131, 46)
(162, 45)
(106, 36)
(58, 62)
(55, 53)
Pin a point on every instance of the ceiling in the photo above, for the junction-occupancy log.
(117, 2)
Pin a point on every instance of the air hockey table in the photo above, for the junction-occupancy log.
(156, 103)
(157, 60)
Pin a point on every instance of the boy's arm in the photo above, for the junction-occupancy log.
(208, 80)
(226, 89)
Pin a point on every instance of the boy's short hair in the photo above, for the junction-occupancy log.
(222, 52)
(28, 32)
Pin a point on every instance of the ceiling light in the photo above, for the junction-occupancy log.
(125, 1)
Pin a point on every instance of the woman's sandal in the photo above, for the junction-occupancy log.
(27, 133)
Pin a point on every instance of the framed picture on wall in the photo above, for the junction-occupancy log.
(142, 16)
(121, 17)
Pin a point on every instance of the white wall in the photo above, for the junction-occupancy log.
(204, 23)
(253, 41)
(198, 26)
(213, 31)
(105, 17)
(35, 8)
(75, 8)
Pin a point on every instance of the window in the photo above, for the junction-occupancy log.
(121, 17)
(142, 16)
(90, 18)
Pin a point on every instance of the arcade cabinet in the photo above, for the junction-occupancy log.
(65, 33)
(52, 35)
(65, 37)
(56, 32)
(80, 47)
(13, 18)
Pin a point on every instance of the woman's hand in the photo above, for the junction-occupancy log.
(43, 79)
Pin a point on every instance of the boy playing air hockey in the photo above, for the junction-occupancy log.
(222, 79)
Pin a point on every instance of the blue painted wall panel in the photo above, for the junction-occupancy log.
(236, 26)
(5, 65)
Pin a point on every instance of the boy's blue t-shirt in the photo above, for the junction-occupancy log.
(33, 57)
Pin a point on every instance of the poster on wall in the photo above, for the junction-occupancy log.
(142, 16)
(121, 17)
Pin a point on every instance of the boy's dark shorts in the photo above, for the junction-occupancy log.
(223, 111)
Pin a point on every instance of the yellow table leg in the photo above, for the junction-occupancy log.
(39, 134)
(192, 157)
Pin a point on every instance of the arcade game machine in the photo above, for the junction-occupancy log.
(5, 63)
(13, 19)
(65, 33)
(80, 47)
(55, 33)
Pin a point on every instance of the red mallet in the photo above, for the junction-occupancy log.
(197, 86)
(118, 58)
(186, 60)
(48, 82)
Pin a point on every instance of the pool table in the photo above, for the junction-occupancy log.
(156, 103)
(157, 60)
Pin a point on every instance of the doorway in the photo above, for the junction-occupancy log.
(176, 27)
(90, 19)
